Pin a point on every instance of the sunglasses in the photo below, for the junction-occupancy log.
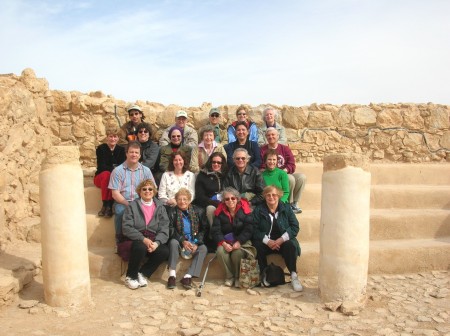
(147, 189)
(216, 162)
(134, 114)
(240, 159)
(230, 199)
(175, 136)
(143, 131)
(214, 115)
(242, 113)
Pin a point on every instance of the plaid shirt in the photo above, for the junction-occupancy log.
(126, 180)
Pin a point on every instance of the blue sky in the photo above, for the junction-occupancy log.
(290, 52)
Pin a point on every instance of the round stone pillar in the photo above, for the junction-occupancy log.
(65, 260)
(344, 228)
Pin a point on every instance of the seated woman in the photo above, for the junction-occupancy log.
(109, 155)
(244, 142)
(242, 114)
(187, 227)
(149, 149)
(175, 145)
(146, 223)
(246, 179)
(209, 184)
(205, 149)
(232, 228)
(275, 231)
(177, 176)
(273, 175)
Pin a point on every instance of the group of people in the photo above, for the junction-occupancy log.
(227, 189)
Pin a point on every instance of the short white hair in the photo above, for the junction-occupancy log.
(275, 112)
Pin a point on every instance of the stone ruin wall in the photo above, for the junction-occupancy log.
(33, 118)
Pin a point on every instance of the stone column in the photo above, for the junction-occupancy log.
(344, 228)
(63, 223)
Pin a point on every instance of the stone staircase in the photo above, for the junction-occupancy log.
(410, 223)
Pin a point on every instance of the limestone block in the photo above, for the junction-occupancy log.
(412, 119)
(365, 116)
(62, 100)
(445, 140)
(320, 119)
(344, 117)
(82, 128)
(78, 103)
(439, 118)
(167, 117)
(293, 117)
(432, 141)
(390, 118)
(32, 83)
(413, 140)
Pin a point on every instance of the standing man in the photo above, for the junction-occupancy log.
(220, 133)
(124, 180)
(270, 116)
(286, 162)
(129, 129)
(189, 135)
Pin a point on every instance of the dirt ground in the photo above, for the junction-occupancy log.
(417, 304)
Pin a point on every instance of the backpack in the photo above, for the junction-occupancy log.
(273, 275)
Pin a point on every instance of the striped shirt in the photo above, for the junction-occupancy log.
(126, 180)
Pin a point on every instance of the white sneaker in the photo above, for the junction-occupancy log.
(131, 283)
(296, 285)
(142, 280)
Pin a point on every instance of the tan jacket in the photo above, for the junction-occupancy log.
(199, 156)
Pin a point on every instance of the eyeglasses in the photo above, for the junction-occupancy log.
(214, 115)
(134, 113)
(230, 199)
(175, 136)
(143, 131)
(240, 159)
(216, 162)
(272, 195)
(242, 113)
(147, 189)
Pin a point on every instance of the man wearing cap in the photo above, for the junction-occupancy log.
(220, 132)
(189, 136)
(129, 129)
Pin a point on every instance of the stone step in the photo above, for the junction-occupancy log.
(381, 197)
(384, 224)
(386, 257)
(381, 173)
(389, 197)
(390, 173)
(388, 224)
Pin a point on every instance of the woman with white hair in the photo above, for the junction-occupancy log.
(270, 115)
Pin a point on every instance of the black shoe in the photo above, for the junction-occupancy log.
(171, 282)
(108, 212)
(186, 282)
(102, 211)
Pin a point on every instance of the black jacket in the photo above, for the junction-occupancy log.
(150, 154)
(207, 184)
(250, 181)
(107, 160)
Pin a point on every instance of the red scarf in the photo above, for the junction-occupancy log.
(243, 204)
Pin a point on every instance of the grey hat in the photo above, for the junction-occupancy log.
(134, 107)
(214, 110)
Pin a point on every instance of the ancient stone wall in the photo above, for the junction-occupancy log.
(32, 118)
(385, 132)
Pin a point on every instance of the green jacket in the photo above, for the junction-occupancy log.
(287, 222)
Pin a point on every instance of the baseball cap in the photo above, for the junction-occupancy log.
(181, 113)
(214, 110)
(134, 107)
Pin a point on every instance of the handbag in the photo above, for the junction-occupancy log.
(273, 275)
(124, 244)
(249, 269)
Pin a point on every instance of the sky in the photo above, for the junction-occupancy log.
(285, 52)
